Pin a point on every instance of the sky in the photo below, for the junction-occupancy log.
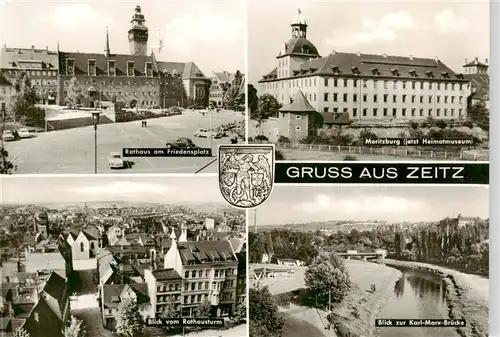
(175, 190)
(451, 30)
(210, 33)
(302, 204)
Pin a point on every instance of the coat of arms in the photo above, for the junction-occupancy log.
(246, 174)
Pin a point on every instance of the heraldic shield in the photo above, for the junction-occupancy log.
(246, 174)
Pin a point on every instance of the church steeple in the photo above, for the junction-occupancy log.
(107, 50)
(299, 25)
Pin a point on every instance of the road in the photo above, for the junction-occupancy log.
(72, 151)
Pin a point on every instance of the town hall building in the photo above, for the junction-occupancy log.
(364, 87)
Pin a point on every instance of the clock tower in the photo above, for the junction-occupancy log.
(138, 34)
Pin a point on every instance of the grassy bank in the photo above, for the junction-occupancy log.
(466, 296)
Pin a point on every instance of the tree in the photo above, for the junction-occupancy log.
(204, 310)
(264, 319)
(20, 332)
(129, 322)
(3, 306)
(479, 115)
(169, 312)
(6, 166)
(268, 106)
(74, 96)
(327, 279)
(26, 95)
(253, 100)
(240, 314)
(74, 329)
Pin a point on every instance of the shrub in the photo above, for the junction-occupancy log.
(261, 138)
(373, 287)
(441, 124)
(468, 124)
(283, 139)
(278, 155)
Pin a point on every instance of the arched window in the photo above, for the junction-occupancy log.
(92, 246)
(81, 247)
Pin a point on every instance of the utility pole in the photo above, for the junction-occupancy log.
(255, 221)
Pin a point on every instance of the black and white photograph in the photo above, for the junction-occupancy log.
(370, 80)
(341, 259)
(102, 256)
(80, 82)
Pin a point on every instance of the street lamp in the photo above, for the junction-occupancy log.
(95, 121)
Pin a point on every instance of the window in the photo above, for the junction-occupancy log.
(394, 98)
(326, 82)
(335, 97)
(111, 68)
(430, 112)
(193, 274)
(365, 112)
(335, 82)
(345, 97)
(421, 112)
(375, 98)
(385, 112)
(413, 98)
(82, 247)
(422, 85)
(365, 97)
(354, 97)
(354, 112)
(297, 128)
(413, 112)
(92, 69)
(345, 82)
(130, 68)
(404, 98)
(394, 112)
(325, 97)
(385, 98)
(325, 109)
(430, 99)
(70, 67)
(186, 274)
(374, 112)
(298, 117)
(354, 83)
(92, 246)
(438, 112)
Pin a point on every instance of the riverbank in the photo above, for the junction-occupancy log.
(466, 296)
(372, 286)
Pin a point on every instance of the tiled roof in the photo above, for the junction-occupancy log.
(131, 249)
(11, 57)
(476, 63)
(299, 104)
(300, 46)
(56, 288)
(197, 252)
(91, 233)
(111, 292)
(43, 322)
(224, 76)
(166, 274)
(373, 66)
(480, 84)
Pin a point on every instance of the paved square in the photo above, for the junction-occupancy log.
(72, 151)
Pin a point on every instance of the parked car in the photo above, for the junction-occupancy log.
(205, 133)
(182, 143)
(115, 160)
(8, 135)
(24, 133)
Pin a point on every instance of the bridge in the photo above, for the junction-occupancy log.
(378, 254)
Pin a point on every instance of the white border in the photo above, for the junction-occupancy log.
(494, 274)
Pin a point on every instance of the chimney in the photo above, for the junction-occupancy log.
(358, 53)
(334, 52)
(436, 59)
(411, 57)
(33, 48)
(476, 59)
(46, 48)
(384, 55)
(465, 61)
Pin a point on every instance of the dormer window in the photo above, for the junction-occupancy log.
(149, 69)
(375, 71)
(91, 67)
(295, 71)
(395, 72)
(429, 73)
(413, 73)
(312, 69)
(70, 67)
(445, 74)
(355, 70)
(111, 68)
(335, 69)
(460, 76)
(130, 68)
(305, 50)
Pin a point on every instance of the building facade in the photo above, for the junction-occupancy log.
(209, 271)
(136, 80)
(41, 66)
(364, 86)
(6, 93)
(477, 73)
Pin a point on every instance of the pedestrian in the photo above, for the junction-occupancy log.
(145, 124)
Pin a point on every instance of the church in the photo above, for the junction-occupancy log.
(364, 87)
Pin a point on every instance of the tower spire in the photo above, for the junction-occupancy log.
(107, 50)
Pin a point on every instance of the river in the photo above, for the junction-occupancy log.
(417, 294)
